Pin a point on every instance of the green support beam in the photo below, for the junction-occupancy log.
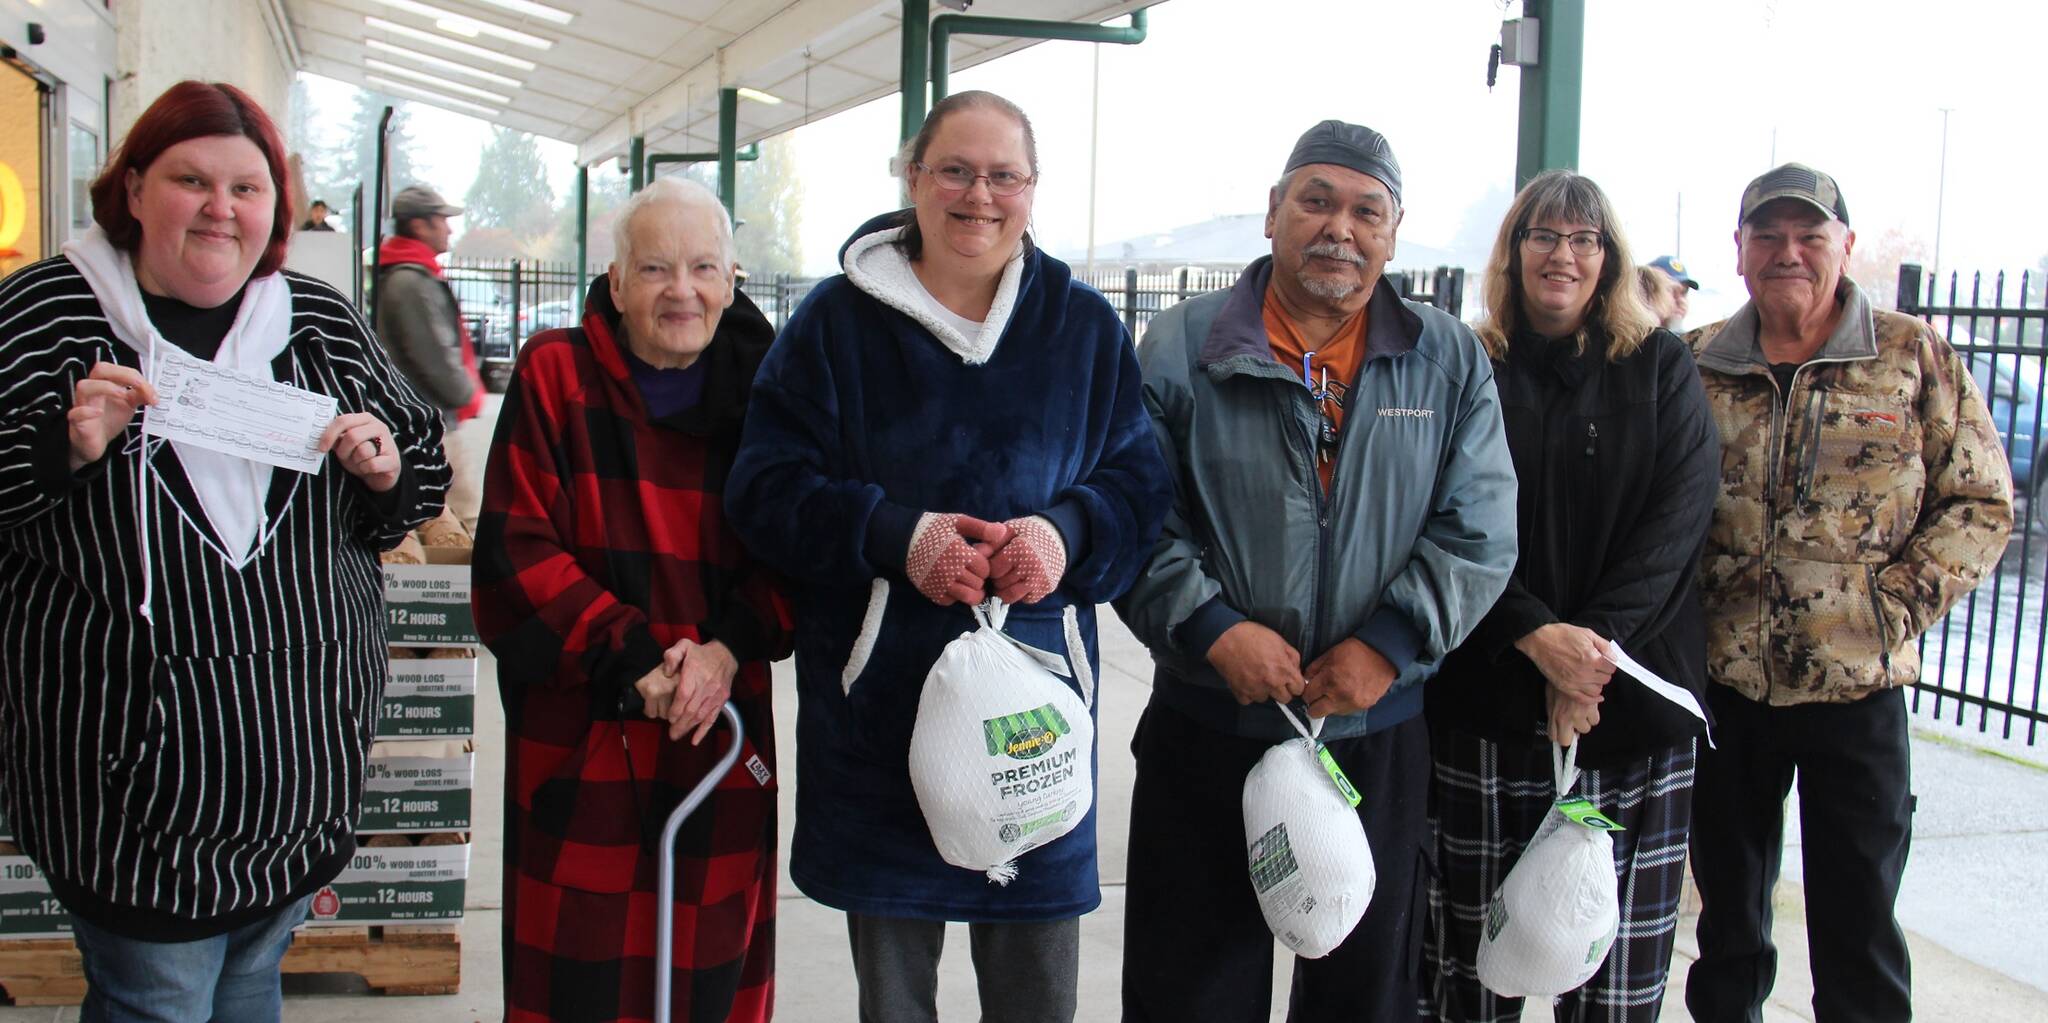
(582, 237)
(917, 21)
(728, 146)
(1548, 136)
(946, 26)
(655, 161)
(637, 155)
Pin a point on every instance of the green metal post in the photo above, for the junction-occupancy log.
(1549, 132)
(917, 20)
(582, 237)
(655, 161)
(638, 156)
(728, 146)
(946, 26)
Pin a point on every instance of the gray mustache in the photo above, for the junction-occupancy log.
(1332, 250)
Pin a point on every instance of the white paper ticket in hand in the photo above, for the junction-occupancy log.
(225, 410)
(1675, 693)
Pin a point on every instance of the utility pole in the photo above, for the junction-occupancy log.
(1940, 198)
(1094, 141)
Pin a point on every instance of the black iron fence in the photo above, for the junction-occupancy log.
(507, 301)
(1982, 664)
(1137, 295)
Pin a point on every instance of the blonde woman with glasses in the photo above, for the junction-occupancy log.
(1617, 463)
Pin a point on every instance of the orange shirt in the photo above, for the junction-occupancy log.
(1339, 358)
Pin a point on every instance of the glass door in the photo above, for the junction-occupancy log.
(24, 134)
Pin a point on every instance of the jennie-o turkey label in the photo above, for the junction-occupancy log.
(1032, 793)
(1001, 757)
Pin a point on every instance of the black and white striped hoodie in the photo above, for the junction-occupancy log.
(205, 760)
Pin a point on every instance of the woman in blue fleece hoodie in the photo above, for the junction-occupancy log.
(953, 416)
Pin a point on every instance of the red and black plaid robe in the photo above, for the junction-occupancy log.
(602, 542)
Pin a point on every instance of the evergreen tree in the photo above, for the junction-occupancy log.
(769, 203)
(768, 200)
(511, 189)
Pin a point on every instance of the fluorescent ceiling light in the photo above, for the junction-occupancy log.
(451, 44)
(462, 24)
(445, 65)
(758, 96)
(528, 7)
(438, 82)
(430, 95)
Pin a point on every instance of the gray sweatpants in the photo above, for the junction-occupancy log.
(1025, 972)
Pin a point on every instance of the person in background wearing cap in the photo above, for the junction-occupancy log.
(421, 326)
(1673, 293)
(417, 318)
(1344, 513)
(1863, 492)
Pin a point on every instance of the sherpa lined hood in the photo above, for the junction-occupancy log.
(878, 266)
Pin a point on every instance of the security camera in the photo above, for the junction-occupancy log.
(625, 164)
(958, 5)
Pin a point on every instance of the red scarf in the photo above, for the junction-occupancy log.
(398, 250)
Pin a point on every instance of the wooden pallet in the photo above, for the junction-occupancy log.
(42, 971)
(413, 959)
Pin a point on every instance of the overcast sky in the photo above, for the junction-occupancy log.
(1683, 100)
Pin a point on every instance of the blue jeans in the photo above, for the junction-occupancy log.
(229, 978)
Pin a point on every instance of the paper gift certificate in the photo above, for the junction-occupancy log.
(225, 410)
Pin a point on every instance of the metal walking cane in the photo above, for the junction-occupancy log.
(664, 938)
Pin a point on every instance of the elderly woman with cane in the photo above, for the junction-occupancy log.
(624, 614)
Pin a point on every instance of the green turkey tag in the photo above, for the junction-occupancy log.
(1337, 774)
(1584, 812)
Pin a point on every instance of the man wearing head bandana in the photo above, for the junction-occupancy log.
(1344, 514)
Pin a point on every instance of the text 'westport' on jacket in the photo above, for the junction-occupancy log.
(1854, 510)
(1407, 550)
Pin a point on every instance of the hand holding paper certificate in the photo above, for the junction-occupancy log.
(1675, 693)
(225, 410)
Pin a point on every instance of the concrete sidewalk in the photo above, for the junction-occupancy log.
(1976, 899)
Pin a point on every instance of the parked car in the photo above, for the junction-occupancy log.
(2012, 386)
(493, 351)
(548, 315)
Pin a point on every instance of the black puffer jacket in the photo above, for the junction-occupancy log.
(1618, 464)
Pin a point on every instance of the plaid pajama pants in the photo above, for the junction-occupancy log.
(1486, 799)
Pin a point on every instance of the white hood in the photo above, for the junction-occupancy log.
(875, 265)
(231, 490)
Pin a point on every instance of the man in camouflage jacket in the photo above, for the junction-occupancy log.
(1863, 493)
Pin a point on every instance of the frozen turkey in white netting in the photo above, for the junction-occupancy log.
(1552, 922)
(1310, 863)
(1002, 754)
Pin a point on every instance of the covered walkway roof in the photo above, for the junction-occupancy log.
(597, 73)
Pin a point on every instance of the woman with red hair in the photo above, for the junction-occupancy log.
(194, 640)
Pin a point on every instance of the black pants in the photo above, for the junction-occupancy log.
(1195, 944)
(1855, 819)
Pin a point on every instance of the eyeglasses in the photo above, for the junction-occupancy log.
(1584, 243)
(955, 178)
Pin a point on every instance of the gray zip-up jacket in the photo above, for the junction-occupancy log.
(421, 327)
(1407, 552)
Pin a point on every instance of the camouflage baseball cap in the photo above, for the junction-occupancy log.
(1794, 181)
